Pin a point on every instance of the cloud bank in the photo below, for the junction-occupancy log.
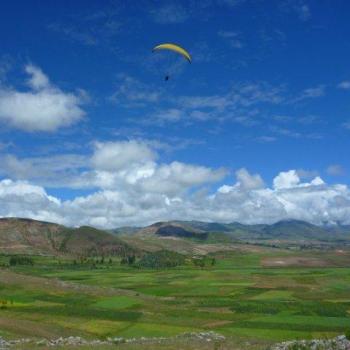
(130, 186)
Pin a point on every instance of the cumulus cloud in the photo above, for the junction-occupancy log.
(131, 187)
(119, 155)
(131, 165)
(21, 199)
(44, 107)
(288, 179)
(245, 181)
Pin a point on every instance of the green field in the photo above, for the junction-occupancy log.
(239, 297)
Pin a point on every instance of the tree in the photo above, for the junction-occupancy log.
(131, 259)
(124, 261)
(21, 260)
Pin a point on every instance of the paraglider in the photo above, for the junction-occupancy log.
(174, 48)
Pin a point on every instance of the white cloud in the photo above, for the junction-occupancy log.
(43, 108)
(288, 179)
(171, 115)
(114, 156)
(132, 188)
(290, 198)
(177, 177)
(245, 182)
(21, 199)
(54, 170)
(248, 181)
(345, 85)
(38, 80)
(313, 92)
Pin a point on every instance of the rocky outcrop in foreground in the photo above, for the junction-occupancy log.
(338, 343)
(79, 341)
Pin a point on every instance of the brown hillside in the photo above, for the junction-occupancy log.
(26, 236)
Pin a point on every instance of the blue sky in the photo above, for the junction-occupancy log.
(267, 95)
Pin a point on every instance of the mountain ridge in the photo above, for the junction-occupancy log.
(23, 235)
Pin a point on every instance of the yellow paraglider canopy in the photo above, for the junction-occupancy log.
(175, 48)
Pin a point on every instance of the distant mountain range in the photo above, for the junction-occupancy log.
(282, 230)
(38, 237)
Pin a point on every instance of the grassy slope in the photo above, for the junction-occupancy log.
(238, 297)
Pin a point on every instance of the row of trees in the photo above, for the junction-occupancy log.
(98, 261)
(167, 259)
(159, 259)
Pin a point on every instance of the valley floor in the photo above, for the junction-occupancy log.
(253, 299)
